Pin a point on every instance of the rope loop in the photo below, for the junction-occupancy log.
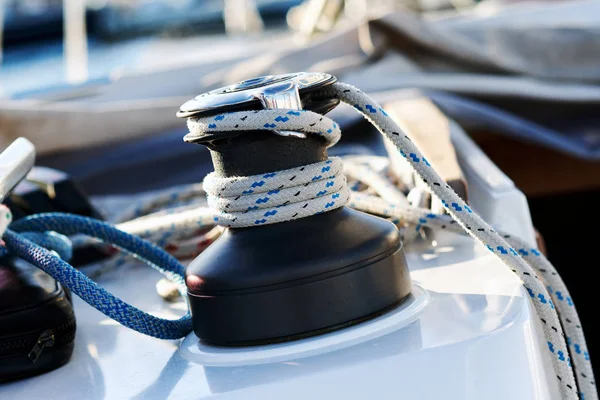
(226, 197)
(18, 241)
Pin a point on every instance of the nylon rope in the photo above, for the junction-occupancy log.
(255, 200)
(29, 240)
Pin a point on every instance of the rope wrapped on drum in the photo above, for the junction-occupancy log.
(514, 253)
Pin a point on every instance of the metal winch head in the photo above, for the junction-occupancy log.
(291, 91)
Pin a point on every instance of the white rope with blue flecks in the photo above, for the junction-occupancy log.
(233, 209)
(277, 196)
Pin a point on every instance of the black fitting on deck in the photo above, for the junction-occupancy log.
(292, 279)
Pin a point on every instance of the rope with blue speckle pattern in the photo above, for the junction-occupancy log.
(277, 196)
(513, 252)
(26, 237)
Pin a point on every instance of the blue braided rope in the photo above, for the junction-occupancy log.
(18, 244)
(49, 240)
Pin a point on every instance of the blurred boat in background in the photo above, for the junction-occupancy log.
(30, 20)
(535, 78)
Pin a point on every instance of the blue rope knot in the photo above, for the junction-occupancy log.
(41, 240)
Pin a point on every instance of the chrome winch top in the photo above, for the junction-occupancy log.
(291, 91)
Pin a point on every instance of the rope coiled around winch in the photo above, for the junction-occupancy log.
(277, 196)
(521, 259)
